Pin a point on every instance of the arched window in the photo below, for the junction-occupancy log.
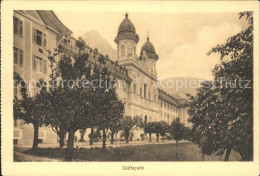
(122, 50)
(129, 51)
(134, 88)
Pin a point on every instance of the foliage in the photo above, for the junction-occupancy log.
(130, 124)
(177, 130)
(109, 109)
(82, 134)
(163, 129)
(149, 128)
(159, 128)
(79, 97)
(187, 133)
(222, 111)
(30, 109)
(96, 135)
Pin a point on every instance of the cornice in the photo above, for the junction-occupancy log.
(136, 66)
(143, 107)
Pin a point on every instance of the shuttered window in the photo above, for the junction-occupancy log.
(21, 57)
(39, 38)
(18, 26)
(15, 55)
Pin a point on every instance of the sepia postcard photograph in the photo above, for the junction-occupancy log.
(130, 88)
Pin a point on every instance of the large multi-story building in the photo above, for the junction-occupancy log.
(42, 30)
(34, 30)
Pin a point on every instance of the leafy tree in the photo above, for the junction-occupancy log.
(61, 132)
(157, 128)
(54, 110)
(109, 109)
(115, 127)
(203, 133)
(115, 114)
(96, 136)
(187, 133)
(163, 129)
(66, 107)
(130, 124)
(222, 111)
(149, 128)
(177, 132)
(30, 109)
(82, 134)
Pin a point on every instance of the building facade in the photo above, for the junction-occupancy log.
(144, 98)
(42, 30)
(34, 31)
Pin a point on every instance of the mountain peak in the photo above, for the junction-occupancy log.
(179, 87)
(95, 40)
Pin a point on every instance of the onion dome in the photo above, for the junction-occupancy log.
(126, 30)
(149, 49)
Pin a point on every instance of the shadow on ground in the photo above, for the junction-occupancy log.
(152, 152)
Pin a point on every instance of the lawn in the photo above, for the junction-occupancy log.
(152, 152)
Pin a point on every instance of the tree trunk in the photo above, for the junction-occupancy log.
(82, 137)
(61, 140)
(157, 137)
(112, 137)
(126, 137)
(69, 152)
(35, 136)
(116, 135)
(227, 153)
(104, 139)
(150, 137)
(91, 136)
(176, 150)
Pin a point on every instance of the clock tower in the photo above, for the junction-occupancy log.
(149, 56)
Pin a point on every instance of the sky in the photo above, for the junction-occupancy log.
(181, 40)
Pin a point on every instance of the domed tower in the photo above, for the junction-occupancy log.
(126, 40)
(149, 55)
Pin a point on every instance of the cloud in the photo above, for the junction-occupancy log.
(190, 59)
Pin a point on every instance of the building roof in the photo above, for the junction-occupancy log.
(126, 30)
(53, 21)
(149, 49)
(173, 99)
(126, 25)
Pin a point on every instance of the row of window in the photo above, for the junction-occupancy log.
(169, 107)
(39, 64)
(39, 37)
(164, 114)
(145, 95)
